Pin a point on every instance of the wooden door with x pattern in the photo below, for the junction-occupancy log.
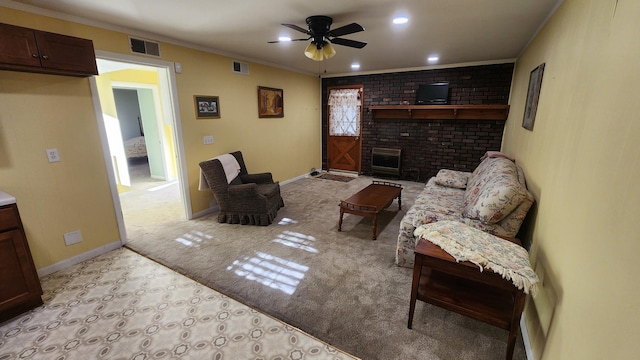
(344, 141)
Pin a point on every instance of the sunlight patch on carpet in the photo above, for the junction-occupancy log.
(287, 221)
(193, 239)
(271, 271)
(160, 187)
(296, 240)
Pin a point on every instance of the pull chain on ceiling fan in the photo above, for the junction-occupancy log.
(322, 37)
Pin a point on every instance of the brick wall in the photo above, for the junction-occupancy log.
(431, 144)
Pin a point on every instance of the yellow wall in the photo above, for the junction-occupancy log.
(287, 147)
(42, 111)
(582, 164)
(48, 111)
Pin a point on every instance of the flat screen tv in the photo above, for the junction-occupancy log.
(433, 94)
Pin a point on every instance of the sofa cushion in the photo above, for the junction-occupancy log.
(440, 198)
(493, 191)
(452, 178)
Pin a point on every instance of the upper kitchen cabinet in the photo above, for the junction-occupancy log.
(24, 49)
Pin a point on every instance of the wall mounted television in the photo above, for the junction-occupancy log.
(433, 94)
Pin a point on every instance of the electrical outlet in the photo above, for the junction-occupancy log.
(52, 155)
(73, 237)
(208, 140)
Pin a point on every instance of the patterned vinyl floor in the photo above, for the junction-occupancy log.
(124, 306)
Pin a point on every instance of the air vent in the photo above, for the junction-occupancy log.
(240, 67)
(147, 47)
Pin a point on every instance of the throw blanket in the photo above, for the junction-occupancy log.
(494, 154)
(230, 166)
(465, 243)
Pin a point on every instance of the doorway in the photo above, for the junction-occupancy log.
(344, 141)
(140, 134)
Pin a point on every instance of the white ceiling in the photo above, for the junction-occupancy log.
(458, 31)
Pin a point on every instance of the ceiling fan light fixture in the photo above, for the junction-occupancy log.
(313, 53)
(322, 37)
(328, 50)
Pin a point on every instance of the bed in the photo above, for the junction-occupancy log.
(135, 147)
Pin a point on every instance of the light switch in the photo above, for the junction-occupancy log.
(208, 140)
(52, 155)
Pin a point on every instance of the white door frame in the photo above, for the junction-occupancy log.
(170, 106)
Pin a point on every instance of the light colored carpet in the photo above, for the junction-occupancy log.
(341, 287)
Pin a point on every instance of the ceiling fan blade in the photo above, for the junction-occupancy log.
(347, 42)
(346, 30)
(284, 41)
(298, 28)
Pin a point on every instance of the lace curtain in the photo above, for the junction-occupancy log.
(344, 112)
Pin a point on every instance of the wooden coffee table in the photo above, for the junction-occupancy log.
(369, 201)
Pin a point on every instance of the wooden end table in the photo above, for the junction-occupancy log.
(369, 201)
(460, 287)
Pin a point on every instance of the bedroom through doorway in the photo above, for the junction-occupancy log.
(140, 131)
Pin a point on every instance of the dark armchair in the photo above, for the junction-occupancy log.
(250, 199)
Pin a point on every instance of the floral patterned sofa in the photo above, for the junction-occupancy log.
(493, 198)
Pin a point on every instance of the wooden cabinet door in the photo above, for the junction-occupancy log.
(18, 280)
(61, 52)
(20, 288)
(24, 49)
(18, 46)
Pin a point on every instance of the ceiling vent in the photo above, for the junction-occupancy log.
(240, 68)
(140, 46)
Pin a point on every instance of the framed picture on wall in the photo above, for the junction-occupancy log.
(533, 95)
(207, 107)
(270, 102)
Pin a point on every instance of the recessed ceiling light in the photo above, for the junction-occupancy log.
(355, 66)
(433, 59)
(284, 38)
(400, 20)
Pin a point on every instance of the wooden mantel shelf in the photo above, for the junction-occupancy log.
(463, 112)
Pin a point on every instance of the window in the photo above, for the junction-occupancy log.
(344, 112)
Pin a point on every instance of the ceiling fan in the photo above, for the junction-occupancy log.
(322, 37)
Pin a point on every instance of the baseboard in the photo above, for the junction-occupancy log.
(525, 338)
(204, 212)
(78, 258)
(294, 179)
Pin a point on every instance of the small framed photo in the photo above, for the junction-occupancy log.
(533, 95)
(270, 102)
(207, 107)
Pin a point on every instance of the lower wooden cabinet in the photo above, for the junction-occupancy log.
(19, 284)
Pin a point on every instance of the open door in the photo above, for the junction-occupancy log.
(344, 141)
(154, 140)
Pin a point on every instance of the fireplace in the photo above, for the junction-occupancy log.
(385, 161)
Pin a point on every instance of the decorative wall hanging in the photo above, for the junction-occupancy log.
(533, 95)
(270, 102)
(207, 107)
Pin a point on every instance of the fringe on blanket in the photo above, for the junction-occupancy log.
(464, 248)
